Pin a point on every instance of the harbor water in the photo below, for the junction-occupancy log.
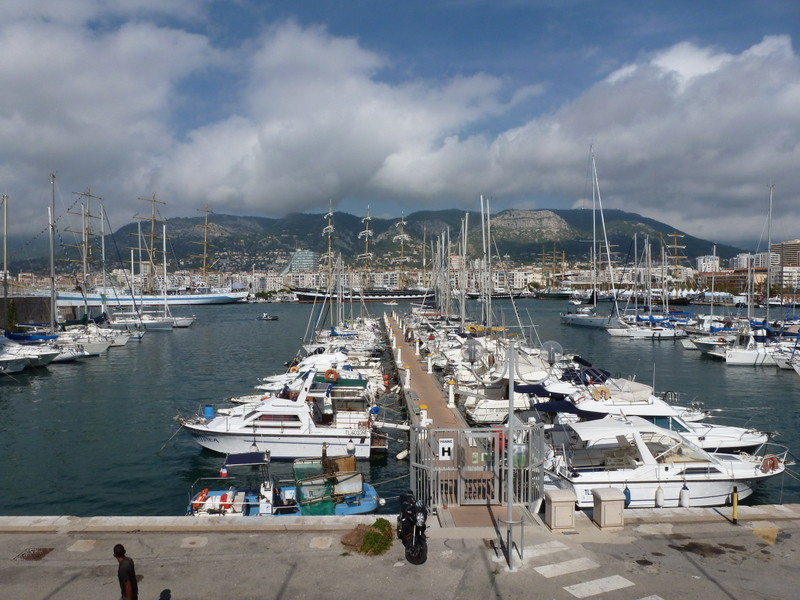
(99, 438)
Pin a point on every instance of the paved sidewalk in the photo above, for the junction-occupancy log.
(674, 554)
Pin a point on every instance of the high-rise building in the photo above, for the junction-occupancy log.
(789, 252)
(304, 260)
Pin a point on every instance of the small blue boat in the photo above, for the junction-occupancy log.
(321, 486)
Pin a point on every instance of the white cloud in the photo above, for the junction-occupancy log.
(689, 134)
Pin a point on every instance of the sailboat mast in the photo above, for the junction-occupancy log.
(164, 252)
(52, 227)
(769, 251)
(5, 261)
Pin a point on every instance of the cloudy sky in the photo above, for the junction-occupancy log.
(254, 107)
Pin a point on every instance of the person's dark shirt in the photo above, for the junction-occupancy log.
(126, 572)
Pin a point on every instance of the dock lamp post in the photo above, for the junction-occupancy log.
(509, 520)
(552, 353)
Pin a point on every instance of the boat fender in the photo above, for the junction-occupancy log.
(226, 501)
(659, 500)
(402, 455)
(770, 463)
(332, 375)
(684, 498)
(490, 360)
(293, 369)
(200, 499)
(721, 340)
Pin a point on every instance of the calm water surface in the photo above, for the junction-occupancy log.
(99, 437)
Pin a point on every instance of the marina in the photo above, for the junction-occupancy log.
(84, 432)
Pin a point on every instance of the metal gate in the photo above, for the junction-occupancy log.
(478, 467)
(459, 467)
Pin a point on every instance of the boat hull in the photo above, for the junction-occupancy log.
(306, 445)
(76, 299)
(644, 493)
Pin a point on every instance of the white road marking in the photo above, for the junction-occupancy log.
(567, 566)
(598, 586)
(544, 549)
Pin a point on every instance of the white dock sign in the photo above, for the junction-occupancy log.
(446, 449)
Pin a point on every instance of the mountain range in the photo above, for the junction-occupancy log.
(522, 236)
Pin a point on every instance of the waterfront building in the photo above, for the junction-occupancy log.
(304, 260)
(789, 252)
(709, 262)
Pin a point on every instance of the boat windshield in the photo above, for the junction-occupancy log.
(670, 423)
(666, 449)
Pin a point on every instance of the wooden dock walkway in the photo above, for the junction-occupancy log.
(426, 390)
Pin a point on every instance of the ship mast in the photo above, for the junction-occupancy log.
(84, 247)
(153, 236)
(366, 256)
(402, 238)
(328, 231)
(204, 243)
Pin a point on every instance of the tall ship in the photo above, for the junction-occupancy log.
(151, 289)
(112, 297)
(361, 290)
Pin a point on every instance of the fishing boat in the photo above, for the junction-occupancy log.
(322, 486)
(653, 466)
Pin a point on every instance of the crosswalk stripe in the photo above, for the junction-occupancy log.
(543, 549)
(567, 566)
(598, 586)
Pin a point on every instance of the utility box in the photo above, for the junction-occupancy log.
(608, 506)
(559, 509)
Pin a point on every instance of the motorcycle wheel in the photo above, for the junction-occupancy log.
(417, 553)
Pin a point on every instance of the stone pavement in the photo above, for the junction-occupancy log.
(667, 554)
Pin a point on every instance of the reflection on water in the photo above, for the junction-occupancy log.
(99, 437)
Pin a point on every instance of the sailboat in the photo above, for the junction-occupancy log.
(590, 318)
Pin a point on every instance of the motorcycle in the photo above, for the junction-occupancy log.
(411, 528)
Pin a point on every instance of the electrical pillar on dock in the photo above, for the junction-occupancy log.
(451, 394)
(397, 353)
(424, 421)
(416, 347)
(430, 364)
(408, 377)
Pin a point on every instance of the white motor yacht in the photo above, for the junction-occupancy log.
(288, 427)
(653, 466)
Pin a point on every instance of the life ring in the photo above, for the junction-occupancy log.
(293, 369)
(200, 499)
(601, 393)
(332, 375)
(770, 463)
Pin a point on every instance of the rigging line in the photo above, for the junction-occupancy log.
(169, 440)
(390, 480)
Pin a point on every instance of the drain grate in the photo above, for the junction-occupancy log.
(33, 554)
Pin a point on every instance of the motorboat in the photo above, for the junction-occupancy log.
(288, 425)
(654, 467)
(267, 317)
(321, 486)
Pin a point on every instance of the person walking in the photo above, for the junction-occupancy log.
(129, 589)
